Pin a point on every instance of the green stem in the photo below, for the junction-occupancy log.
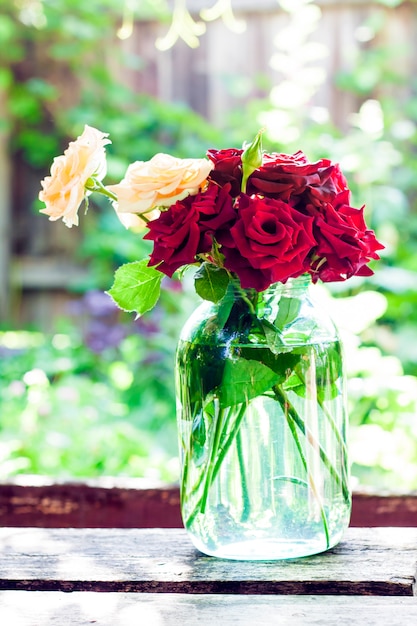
(217, 465)
(243, 481)
(333, 426)
(93, 184)
(228, 442)
(289, 409)
(184, 477)
(210, 466)
(339, 438)
(292, 426)
(97, 185)
(195, 488)
(243, 295)
(328, 415)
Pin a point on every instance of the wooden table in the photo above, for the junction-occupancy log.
(154, 577)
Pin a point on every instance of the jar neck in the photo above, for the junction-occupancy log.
(264, 303)
(293, 287)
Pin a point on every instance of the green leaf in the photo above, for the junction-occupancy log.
(211, 282)
(294, 383)
(280, 363)
(223, 314)
(273, 337)
(136, 287)
(291, 479)
(287, 311)
(198, 439)
(244, 380)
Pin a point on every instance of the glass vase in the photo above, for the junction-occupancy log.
(262, 425)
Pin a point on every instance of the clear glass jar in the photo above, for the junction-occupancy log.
(262, 425)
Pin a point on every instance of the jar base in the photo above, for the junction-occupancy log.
(266, 549)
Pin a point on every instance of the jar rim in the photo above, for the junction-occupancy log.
(301, 282)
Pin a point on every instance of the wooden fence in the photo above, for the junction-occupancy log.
(226, 71)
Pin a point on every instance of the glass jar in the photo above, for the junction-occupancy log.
(262, 425)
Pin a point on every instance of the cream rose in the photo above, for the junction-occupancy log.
(64, 190)
(159, 182)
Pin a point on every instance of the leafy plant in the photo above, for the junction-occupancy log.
(96, 397)
(54, 78)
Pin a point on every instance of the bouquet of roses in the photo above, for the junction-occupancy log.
(239, 213)
(246, 220)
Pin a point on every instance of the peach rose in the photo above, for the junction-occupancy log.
(64, 190)
(159, 182)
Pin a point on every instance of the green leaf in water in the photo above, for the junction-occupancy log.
(244, 380)
(280, 363)
(294, 383)
(288, 310)
(273, 337)
(198, 439)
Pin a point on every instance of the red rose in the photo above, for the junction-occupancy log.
(294, 179)
(269, 242)
(187, 227)
(215, 208)
(227, 168)
(177, 237)
(345, 244)
(333, 182)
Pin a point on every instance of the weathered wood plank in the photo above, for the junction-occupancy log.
(366, 562)
(136, 503)
(373, 509)
(22, 608)
(105, 503)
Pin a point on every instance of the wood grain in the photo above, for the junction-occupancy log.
(367, 562)
(18, 608)
(102, 503)
(137, 503)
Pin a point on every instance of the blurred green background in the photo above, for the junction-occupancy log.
(88, 391)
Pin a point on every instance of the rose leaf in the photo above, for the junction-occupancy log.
(274, 337)
(244, 380)
(288, 311)
(136, 287)
(211, 282)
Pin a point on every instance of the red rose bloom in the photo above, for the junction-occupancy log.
(227, 168)
(295, 217)
(186, 228)
(294, 179)
(177, 238)
(333, 182)
(269, 242)
(345, 244)
(215, 209)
